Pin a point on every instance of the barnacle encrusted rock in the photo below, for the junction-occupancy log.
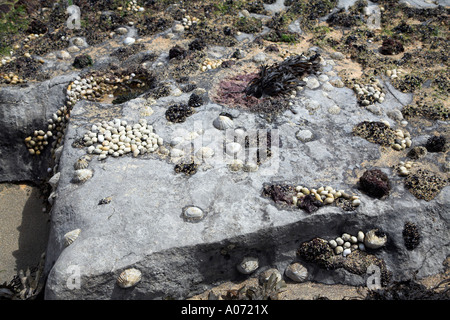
(425, 184)
(375, 132)
(318, 251)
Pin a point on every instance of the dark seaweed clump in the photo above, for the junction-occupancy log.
(82, 61)
(435, 144)
(186, 168)
(411, 235)
(375, 183)
(409, 290)
(283, 77)
(195, 100)
(278, 193)
(309, 203)
(178, 113)
(177, 52)
(391, 46)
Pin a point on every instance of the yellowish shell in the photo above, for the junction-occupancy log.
(129, 278)
(71, 236)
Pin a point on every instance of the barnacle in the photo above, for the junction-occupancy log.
(178, 113)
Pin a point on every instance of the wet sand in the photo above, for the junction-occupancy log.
(24, 229)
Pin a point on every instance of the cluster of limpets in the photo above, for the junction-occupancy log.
(12, 78)
(369, 93)
(392, 73)
(188, 21)
(346, 243)
(131, 6)
(209, 64)
(403, 168)
(326, 195)
(402, 140)
(116, 138)
(94, 87)
(54, 131)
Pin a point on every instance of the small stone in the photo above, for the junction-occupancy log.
(337, 55)
(337, 83)
(259, 57)
(178, 28)
(312, 83)
(129, 41)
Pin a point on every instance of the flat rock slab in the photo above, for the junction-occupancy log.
(142, 226)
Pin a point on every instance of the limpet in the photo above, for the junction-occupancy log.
(248, 265)
(193, 213)
(296, 272)
(129, 278)
(82, 163)
(375, 239)
(223, 123)
(82, 175)
(232, 148)
(204, 153)
(71, 236)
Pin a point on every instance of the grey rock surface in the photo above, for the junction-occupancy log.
(143, 224)
(22, 110)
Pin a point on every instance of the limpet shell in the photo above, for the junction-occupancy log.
(375, 239)
(193, 214)
(232, 148)
(129, 278)
(71, 236)
(204, 153)
(223, 123)
(296, 272)
(248, 265)
(82, 175)
(82, 163)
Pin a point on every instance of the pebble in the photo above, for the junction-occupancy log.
(312, 83)
(122, 30)
(259, 57)
(178, 28)
(129, 41)
(337, 55)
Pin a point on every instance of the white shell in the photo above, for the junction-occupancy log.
(83, 175)
(346, 252)
(332, 243)
(296, 272)
(232, 148)
(193, 213)
(223, 123)
(360, 236)
(250, 167)
(372, 241)
(248, 265)
(338, 250)
(71, 236)
(204, 153)
(175, 153)
(129, 278)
